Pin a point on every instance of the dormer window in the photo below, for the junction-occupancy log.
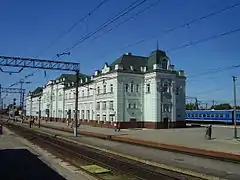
(164, 63)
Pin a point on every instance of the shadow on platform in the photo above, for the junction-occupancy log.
(21, 164)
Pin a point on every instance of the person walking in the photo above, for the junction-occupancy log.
(115, 126)
(118, 126)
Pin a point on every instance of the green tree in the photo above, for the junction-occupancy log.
(237, 107)
(224, 106)
(190, 106)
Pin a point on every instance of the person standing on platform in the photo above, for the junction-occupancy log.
(119, 126)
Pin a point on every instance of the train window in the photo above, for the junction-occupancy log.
(237, 115)
(216, 115)
(212, 115)
(221, 115)
(200, 115)
(204, 115)
(227, 115)
(192, 115)
(208, 115)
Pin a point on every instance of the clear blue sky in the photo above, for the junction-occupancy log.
(28, 27)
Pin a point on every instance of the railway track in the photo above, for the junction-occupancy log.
(82, 155)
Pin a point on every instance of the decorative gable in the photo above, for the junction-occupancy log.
(105, 68)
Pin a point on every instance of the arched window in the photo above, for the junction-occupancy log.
(164, 64)
(131, 86)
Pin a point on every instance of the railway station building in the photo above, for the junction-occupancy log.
(137, 91)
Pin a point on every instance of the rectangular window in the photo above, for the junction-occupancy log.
(111, 88)
(131, 87)
(98, 106)
(98, 90)
(104, 117)
(98, 117)
(148, 88)
(134, 106)
(88, 114)
(110, 104)
(82, 114)
(104, 89)
(137, 88)
(88, 92)
(126, 87)
(82, 93)
(129, 105)
(111, 117)
(104, 105)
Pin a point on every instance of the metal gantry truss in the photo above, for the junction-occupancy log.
(38, 63)
(46, 64)
(12, 90)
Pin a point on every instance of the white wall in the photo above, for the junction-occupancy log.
(145, 106)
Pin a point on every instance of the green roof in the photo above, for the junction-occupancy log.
(37, 92)
(137, 62)
(155, 58)
(72, 77)
(130, 60)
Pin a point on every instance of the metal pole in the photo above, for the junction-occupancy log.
(76, 106)
(39, 112)
(1, 104)
(21, 93)
(235, 104)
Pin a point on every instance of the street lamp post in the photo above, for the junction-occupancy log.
(235, 104)
(39, 111)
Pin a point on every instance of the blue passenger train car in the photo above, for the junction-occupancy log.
(212, 116)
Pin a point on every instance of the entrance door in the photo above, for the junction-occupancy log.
(165, 123)
(133, 123)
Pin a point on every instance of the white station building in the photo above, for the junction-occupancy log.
(134, 90)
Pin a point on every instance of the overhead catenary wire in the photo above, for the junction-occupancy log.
(122, 13)
(171, 29)
(82, 19)
(213, 71)
(184, 25)
(154, 4)
(204, 40)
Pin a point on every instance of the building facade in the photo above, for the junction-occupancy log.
(134, 90)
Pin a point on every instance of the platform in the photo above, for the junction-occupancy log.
(20, 159)
(17, 162)
(192, 163)
(222, 137)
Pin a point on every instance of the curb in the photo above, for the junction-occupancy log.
(174, 148)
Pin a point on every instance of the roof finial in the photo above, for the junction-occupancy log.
(157, 45)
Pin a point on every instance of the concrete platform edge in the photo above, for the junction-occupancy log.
(174, 148)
